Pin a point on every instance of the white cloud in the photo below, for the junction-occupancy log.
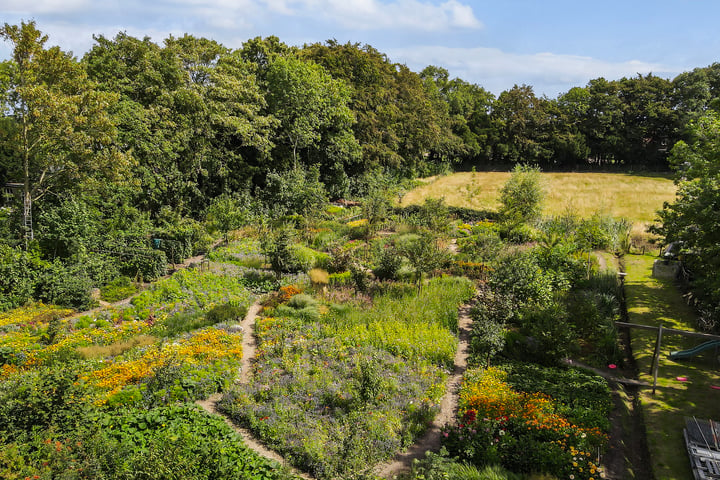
(375, 14)
(548, 73)
(36, 7)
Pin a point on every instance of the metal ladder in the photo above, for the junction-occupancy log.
(27, 217)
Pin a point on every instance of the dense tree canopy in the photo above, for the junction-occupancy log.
(57, 130)
(693, 220)
(197, 120)
(136, 129)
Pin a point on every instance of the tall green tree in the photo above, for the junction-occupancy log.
(314, 119)
(566, 137)
(650, 119)
(603, 123)
(468, 108)
(191, 110)
(520, 122)
(522, 196)
(693, 220)
(56, 128)
(372, 78)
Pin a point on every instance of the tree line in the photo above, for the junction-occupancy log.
(137, 139)
(180, 123)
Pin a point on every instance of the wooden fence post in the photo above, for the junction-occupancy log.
(656, 358)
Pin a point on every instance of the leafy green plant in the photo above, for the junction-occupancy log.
(521, 198)
(439, 466)
(424, 254)
(117, 289)
(388, 264)
(518, 275)
(62, 285)
(144, 264)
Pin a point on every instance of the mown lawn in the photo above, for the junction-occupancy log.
(657, 302)
(634, 197)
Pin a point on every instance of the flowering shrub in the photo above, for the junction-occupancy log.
(474, 270)
(521, 431)
(358, 223)
(203, 349)
(287, 292)
(32, 315)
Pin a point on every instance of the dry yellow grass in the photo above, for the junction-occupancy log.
(117, 348)
(634, 197)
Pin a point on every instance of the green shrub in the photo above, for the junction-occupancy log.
(567, 264)
(160, 443)
(304, 258)
(334, 210)
(340, 279)
(183, 322)
(440, 466)
(259, 281)
(482, 246)
(548, 336)
(226, 313)
(519, 276)
(65, 286)
(388, 264)
(117, 289)
(519, 233)
(145, 264)
(19, 271)
(604, 232)
(521, 198)
(301, 300)
(40, 398)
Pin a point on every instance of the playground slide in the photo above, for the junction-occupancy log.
(691, 352)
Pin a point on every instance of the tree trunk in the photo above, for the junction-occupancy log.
(27, 196)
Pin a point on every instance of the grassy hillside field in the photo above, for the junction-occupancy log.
(634, 197)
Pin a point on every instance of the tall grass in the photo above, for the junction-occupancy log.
(634, 197)
(413, 324)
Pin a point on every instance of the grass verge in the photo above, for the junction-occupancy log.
(656, 302)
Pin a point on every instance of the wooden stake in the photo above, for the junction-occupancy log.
(656, 358)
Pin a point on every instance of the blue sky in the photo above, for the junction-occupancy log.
(552, 45)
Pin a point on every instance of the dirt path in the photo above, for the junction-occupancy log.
(210, 403)
(602, 263)
(187, 263)
(448, 405)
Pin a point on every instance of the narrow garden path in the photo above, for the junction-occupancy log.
(448, 405)
(210, 403)
(191, 262)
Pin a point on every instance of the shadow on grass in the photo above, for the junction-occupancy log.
(683, 387)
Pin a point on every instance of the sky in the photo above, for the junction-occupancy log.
(552, 45)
